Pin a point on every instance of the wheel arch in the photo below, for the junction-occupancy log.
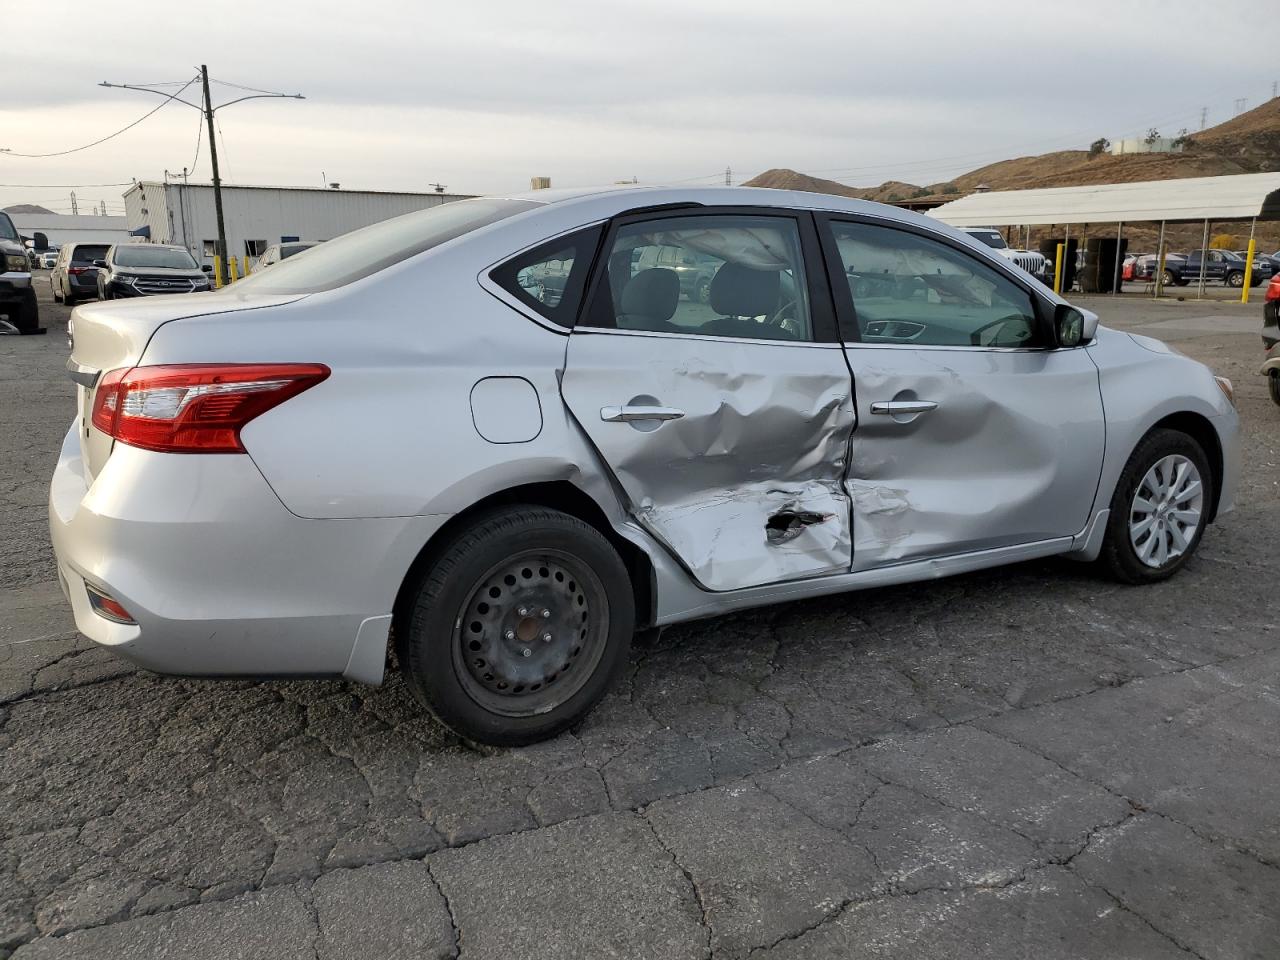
(1200, 429)
(560, 495)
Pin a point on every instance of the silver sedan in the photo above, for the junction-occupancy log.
(505, 434)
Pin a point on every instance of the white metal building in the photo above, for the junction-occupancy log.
(257, 217)
(60, 228)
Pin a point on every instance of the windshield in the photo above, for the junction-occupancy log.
(360, 253)
(991, 238)
(144, 256)
(7, 232)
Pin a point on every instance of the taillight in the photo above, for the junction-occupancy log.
(76, 271)
(197, 407)
(1273, 289)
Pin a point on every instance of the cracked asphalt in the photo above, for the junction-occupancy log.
(1027, 762)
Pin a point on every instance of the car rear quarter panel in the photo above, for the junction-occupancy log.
(391, 432)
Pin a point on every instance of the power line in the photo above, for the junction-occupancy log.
(169, 98)
(199, 136)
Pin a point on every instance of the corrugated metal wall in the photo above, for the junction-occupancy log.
(185, 215)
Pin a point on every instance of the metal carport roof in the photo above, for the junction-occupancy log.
(1241, 197)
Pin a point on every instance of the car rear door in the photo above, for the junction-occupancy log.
(726, 424)
(972, 432)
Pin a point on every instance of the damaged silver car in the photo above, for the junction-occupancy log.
(537, 439)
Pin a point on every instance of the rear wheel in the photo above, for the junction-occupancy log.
(53, 287)
(519, 627)
(1273, 384)
(1235, 279)
(1159, 509)
(1168, 279)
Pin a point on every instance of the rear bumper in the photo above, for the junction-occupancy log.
(221, 579)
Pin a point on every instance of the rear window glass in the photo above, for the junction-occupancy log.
(144, 256)
(363, 252)
(88, 252)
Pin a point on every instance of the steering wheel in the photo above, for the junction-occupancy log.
(976, 340)
(780, 318)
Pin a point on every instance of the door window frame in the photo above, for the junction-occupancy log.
(846, 309)
(822, 312)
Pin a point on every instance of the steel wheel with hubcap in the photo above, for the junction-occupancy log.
(517, 627)
(1159, 509)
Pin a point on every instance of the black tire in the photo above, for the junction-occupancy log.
(68, 299)
(1235, 279)
(485, 595)
(1168, 279)
(53, 288)
(27, 317)
(1273, 385)
(1119, 557)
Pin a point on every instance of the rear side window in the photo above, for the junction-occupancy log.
(551, 278)
(363, 252)
(7, 232)
(88, 252)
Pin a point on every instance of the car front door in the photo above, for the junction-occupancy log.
(973, 431)
(725, 423)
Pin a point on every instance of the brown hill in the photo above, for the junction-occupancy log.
(1248, 143)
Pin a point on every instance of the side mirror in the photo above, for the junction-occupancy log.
(207, 268)
(99, 263)
(1068, 325)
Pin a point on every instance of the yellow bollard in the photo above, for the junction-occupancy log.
(1248, 271)
(217, 271)
(231, 262)
(1057, 269)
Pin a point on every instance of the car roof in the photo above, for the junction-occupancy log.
(628, 196)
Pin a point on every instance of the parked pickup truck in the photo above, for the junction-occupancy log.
(1218, 266)
(18, 311)
(1034, 263)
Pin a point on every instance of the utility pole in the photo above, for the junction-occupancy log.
(1204, 113)
(74, 209)
(728, 177)
(223, 278)
(208, 109)
(1240, 102)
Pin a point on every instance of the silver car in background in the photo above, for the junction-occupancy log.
(507, 480)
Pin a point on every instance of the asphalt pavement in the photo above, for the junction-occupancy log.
(1025, 762)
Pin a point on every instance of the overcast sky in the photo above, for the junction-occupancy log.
(482, 95)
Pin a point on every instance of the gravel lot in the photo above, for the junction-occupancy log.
(1028, 762)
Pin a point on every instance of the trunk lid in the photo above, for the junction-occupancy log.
(108, 336)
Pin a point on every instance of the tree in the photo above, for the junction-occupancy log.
(920, 192)
(1099, 146)
(950, 188)
(1182, 139)
(1152, 136)
(1223, 241)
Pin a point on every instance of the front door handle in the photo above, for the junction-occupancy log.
(631, 412)
(898, 407)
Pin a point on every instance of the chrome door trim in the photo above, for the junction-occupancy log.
(629, 413)
(895, 407)
(612, 332)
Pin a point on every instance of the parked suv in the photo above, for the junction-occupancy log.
(18, 308)
(147, 269)
(74, 277)
(1034, 263)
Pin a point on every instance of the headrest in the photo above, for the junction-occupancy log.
(653, 294)
(737, 291)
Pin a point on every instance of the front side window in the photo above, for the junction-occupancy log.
(254, 248)
(720, 276)
(7, 230)
(549, 279)
(908, 289)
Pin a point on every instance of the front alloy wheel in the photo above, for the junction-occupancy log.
(1167, 511)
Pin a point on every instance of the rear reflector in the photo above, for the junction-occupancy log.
(107, 607)
(195, 408)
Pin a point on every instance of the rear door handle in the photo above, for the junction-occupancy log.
(629, 413)
(893, 407)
